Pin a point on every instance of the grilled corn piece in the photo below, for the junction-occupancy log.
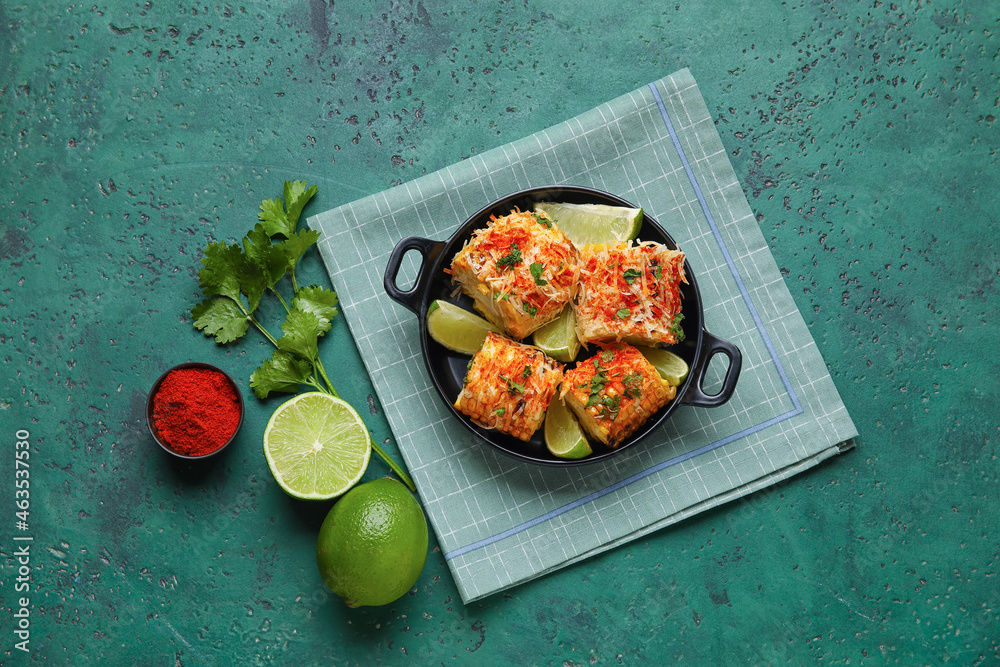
(509, 386)
(520, 270)
(630, 293)
(614, 392)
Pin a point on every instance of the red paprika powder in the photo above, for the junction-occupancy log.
(196, 410)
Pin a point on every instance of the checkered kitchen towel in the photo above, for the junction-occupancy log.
(501, 522)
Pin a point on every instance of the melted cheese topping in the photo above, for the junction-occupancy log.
(630, 293)
(520, 270)
(509, 386)
(614, 392)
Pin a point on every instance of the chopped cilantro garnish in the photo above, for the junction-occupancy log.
(527, 371)
(531, 310)
(597, 384)
(545, 221)
(675, 327)
(631, 275)
(512, 387)
(633, 385)
(611, 406)
(499, 412)
(511, 258)
(622, 313)
(536, 273)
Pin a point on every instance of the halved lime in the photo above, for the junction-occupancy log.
(316, 446)
(457, 329)
(594, 223)
(671, 368)
(558, 338)
(564, 437)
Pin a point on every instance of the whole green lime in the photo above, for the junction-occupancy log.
(373, 544)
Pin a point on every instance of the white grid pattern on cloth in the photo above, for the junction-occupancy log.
(500, 522)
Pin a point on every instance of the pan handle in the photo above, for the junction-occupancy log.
(712, 345)
(429, 251)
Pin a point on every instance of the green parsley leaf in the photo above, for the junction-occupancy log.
(319, 301)
(499, 412)
(511, 258)
(283, 372)
(297, 195)
(220, 268)
(222, 318)
(252, 284)
(631, 275)
(301, 334)
(622, 313)
(280, 218)
(296, 245)
(268, 260)
(536, 273)
(275, 220)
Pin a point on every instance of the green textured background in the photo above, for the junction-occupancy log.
(866, 138)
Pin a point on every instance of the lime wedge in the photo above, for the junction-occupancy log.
(594, 223)
(457, 329)
(316, 446)
(558, 338)
(671, 368)
(563, 435)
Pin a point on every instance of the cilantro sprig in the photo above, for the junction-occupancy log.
(511, 258)
(235, 278)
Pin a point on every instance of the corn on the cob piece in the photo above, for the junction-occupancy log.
(520, 270)
(614, 392)
(509, 386)
(630, 293)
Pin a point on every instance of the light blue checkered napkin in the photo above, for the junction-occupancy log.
(501, 522)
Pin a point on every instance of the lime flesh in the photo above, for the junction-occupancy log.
(558, 338)
(457, 329)
(316, 446)
(671, 368)
(564, 436)
(585, 224)
(373, 544)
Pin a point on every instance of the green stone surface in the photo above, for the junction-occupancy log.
(131, 134)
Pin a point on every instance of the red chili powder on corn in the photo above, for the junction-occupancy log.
(196, 410)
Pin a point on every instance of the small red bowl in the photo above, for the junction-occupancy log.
(151, 423)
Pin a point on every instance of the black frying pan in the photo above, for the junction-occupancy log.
(447, 369)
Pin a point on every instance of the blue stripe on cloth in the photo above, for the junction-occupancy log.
(617, 485)
(797, 407)
(722, 246)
